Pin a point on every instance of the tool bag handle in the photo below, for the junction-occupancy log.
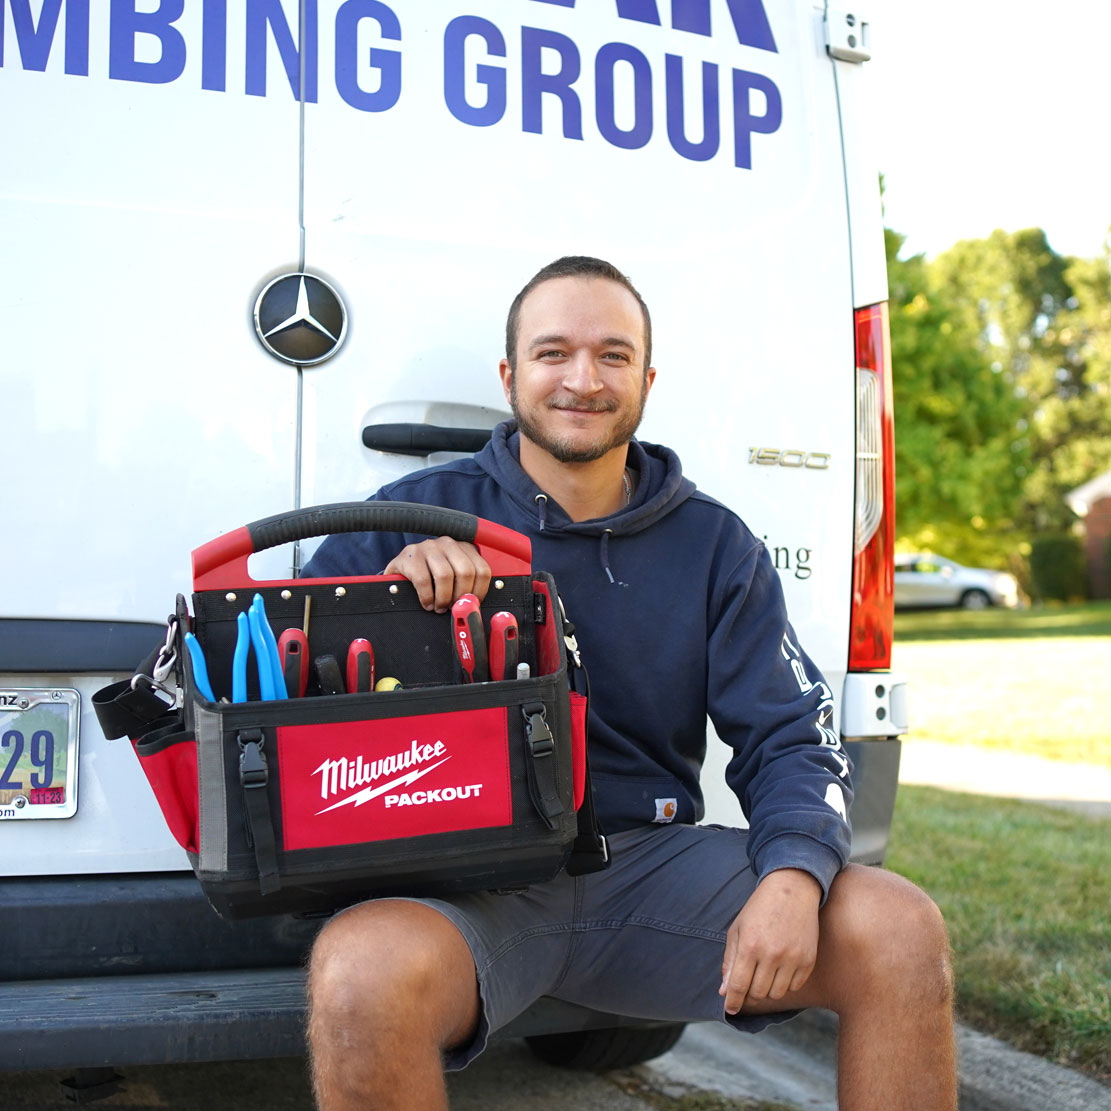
(222, 563)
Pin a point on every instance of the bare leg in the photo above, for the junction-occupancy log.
(391, 985)
(883, 966)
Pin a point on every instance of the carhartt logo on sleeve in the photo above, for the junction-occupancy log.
(666, 810)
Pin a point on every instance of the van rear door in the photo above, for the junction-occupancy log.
(144, 197)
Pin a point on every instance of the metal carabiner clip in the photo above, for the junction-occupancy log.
(569, 638)
(167, 656)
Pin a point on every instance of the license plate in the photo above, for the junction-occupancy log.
(38, 752)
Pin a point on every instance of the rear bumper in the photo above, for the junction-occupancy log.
(875, 784)
(155, 1019)
(73, 927)
(129, 970)
(257, 1014)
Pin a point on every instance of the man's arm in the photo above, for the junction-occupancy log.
(769, 702)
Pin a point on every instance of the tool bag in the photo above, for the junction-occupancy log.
(307, 804)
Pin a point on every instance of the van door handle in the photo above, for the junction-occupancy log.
(414, 438)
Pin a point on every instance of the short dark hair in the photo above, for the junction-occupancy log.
(573, 266)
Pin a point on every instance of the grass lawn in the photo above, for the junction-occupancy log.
(1027, 681)
(1025, 891)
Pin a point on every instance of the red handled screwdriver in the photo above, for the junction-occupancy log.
(469, 639)
(503, 646)
(360, 666)
(293, 651)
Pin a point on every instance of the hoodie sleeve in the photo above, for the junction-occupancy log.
(770, 703)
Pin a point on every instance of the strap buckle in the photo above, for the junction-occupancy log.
(253, 769)
(537, 733)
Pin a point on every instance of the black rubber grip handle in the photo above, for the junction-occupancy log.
(361, 516)
(222, 563)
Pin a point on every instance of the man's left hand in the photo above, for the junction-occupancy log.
(773, 943)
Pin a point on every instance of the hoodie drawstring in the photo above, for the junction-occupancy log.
(604, 556)
(542, 502)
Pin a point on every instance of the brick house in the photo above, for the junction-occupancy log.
(1092, 502)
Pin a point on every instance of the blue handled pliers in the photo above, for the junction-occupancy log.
(254, 629)
(239, 659)
(200, 669)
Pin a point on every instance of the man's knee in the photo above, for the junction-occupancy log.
(889, 933)
(380, 962)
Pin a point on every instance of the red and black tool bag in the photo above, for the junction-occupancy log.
(306, 804)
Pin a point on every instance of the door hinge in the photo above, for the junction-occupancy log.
(848, 35)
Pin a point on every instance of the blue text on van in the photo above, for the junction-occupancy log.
(475, 94)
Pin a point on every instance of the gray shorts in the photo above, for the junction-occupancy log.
(644, 938)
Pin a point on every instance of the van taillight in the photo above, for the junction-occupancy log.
(873, 613)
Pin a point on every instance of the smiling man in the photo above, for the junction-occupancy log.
(680, 616)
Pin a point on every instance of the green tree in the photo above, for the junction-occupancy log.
(958, 457)
(1043, 321)
(1070, 425)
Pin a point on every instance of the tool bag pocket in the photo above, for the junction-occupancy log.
(168, 756)
(306, 804)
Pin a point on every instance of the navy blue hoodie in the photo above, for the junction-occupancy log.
(679, 614)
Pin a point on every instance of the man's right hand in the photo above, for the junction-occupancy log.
(442, 570)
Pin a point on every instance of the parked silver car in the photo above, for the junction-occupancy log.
(931, 580)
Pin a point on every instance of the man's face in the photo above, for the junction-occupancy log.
(579, 387)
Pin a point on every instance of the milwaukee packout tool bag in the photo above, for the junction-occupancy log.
(330, 740)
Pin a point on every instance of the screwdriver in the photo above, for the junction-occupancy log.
(469, 639)
(293, 651)
(360, 666)
(503, 646)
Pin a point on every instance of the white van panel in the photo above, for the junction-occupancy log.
(862, 174)
(141, 416)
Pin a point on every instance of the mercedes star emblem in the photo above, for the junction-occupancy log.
(300, 319)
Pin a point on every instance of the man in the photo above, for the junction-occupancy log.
(679, 613)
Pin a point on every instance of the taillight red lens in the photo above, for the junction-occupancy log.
(873, 612)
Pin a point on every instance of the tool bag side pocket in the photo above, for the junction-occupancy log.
(168, 756)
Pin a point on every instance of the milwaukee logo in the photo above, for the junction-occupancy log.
(354, 782)
(337, 776)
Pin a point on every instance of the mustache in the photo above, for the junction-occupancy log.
(583, 406)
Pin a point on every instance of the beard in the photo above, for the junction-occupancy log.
(565, 448)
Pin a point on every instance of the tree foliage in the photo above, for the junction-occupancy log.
(1044, 320)
(958, 459)
(1001, 353)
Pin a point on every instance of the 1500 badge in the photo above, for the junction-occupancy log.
(789, 457)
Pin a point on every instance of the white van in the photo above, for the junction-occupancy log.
(165, 162)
